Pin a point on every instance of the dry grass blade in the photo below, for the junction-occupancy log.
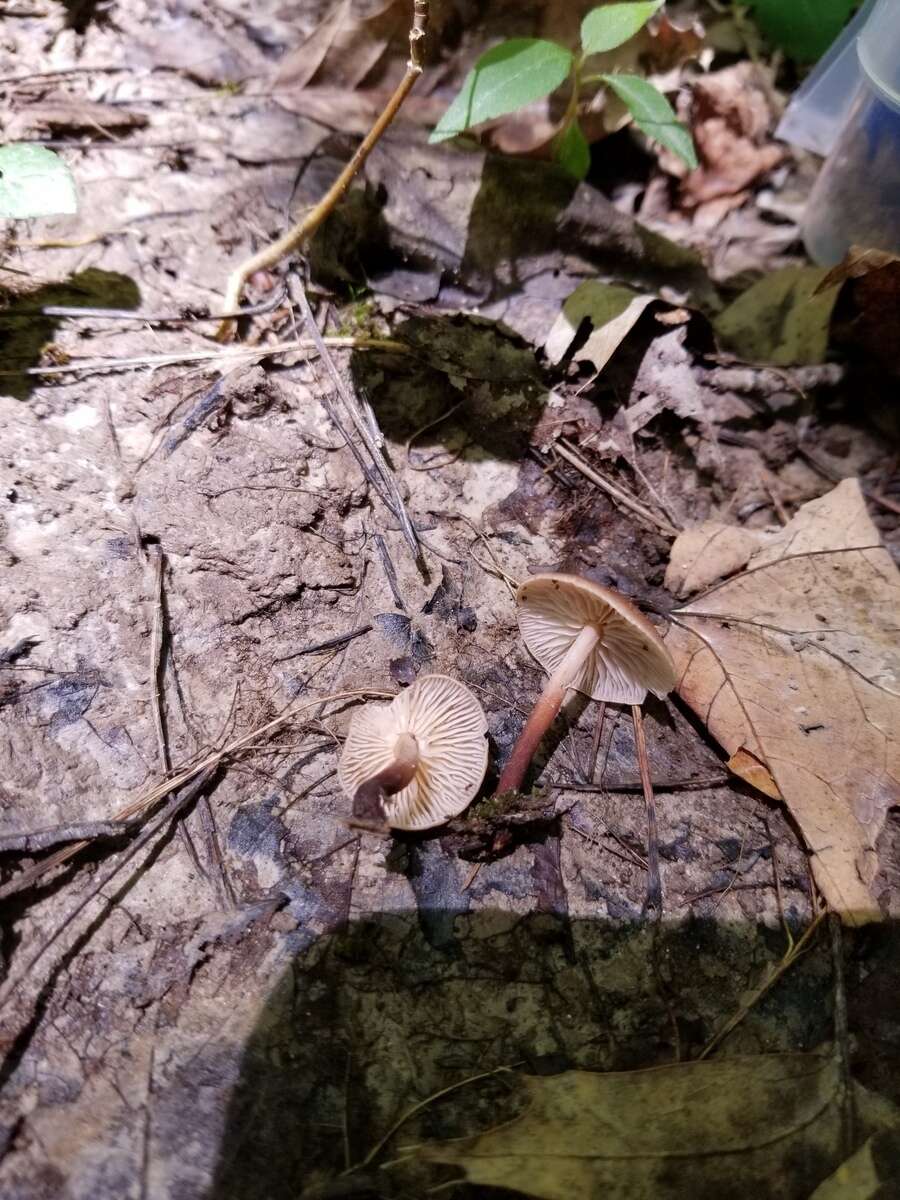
(369, 434)
(793, 952)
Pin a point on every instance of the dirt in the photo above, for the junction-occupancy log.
(266, 961)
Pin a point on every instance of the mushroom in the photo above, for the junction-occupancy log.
(588, 638)
(419, 760)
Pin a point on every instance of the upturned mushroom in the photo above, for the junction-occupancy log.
(419, 760)
(590, 639)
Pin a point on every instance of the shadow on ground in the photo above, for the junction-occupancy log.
(386, 1012)
(25, 331)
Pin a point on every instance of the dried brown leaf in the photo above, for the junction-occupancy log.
(795, 663)
(731, 118)
(856, 263)
(346, 46)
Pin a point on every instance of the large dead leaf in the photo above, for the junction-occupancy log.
(795, 668)
(782, 319)
(741, 1127)
(867, 320)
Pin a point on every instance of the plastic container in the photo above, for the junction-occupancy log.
(856, 198)
(815, 116)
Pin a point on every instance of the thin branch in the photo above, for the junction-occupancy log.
(239, 354)
(331, 644)
(567, 451)
(149, 799)
(774, 974)
(44, 839)
(272, 254)
(176, 804)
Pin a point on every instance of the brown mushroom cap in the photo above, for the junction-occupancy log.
(629, 659)
(450, 732)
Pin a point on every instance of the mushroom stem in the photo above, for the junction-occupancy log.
(545, 710)
(392, 779)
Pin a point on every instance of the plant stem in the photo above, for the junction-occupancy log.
(654, 883)
(545, 710)
(272, 254)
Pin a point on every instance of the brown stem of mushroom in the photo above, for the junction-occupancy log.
(654, 883)
(544, 712)
(367, 803)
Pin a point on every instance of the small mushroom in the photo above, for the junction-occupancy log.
(419, 760)
(590, 639)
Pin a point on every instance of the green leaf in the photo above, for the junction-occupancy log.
(803, 29)
(505, 78)
(573, 152)
(34, 182)
(653, 114)
(607, 27)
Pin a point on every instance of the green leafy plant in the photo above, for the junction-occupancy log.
(523, 70)
(803, 29)
(34, 182)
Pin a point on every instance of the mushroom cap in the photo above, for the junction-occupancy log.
(450, 729)
(630, 658)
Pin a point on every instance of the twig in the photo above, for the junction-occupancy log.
(159, 791)
(157, 671)
(778, 896)
(630, 854)
(511, 582)
(567, 451)
(424, 429)
(842, 1038)
(411, 1112)
(70, 313)
(390, 571)
(654, 883)
(224, 353)
(156, 661)
(595, 743)
(660, 785)
(272, 254)
(177, 803)
(43, 839)
(330, 644)
(836, 477)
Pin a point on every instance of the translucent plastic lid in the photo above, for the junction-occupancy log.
(878, 47)
(814, 117)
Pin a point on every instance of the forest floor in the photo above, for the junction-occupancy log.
(190, 548)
